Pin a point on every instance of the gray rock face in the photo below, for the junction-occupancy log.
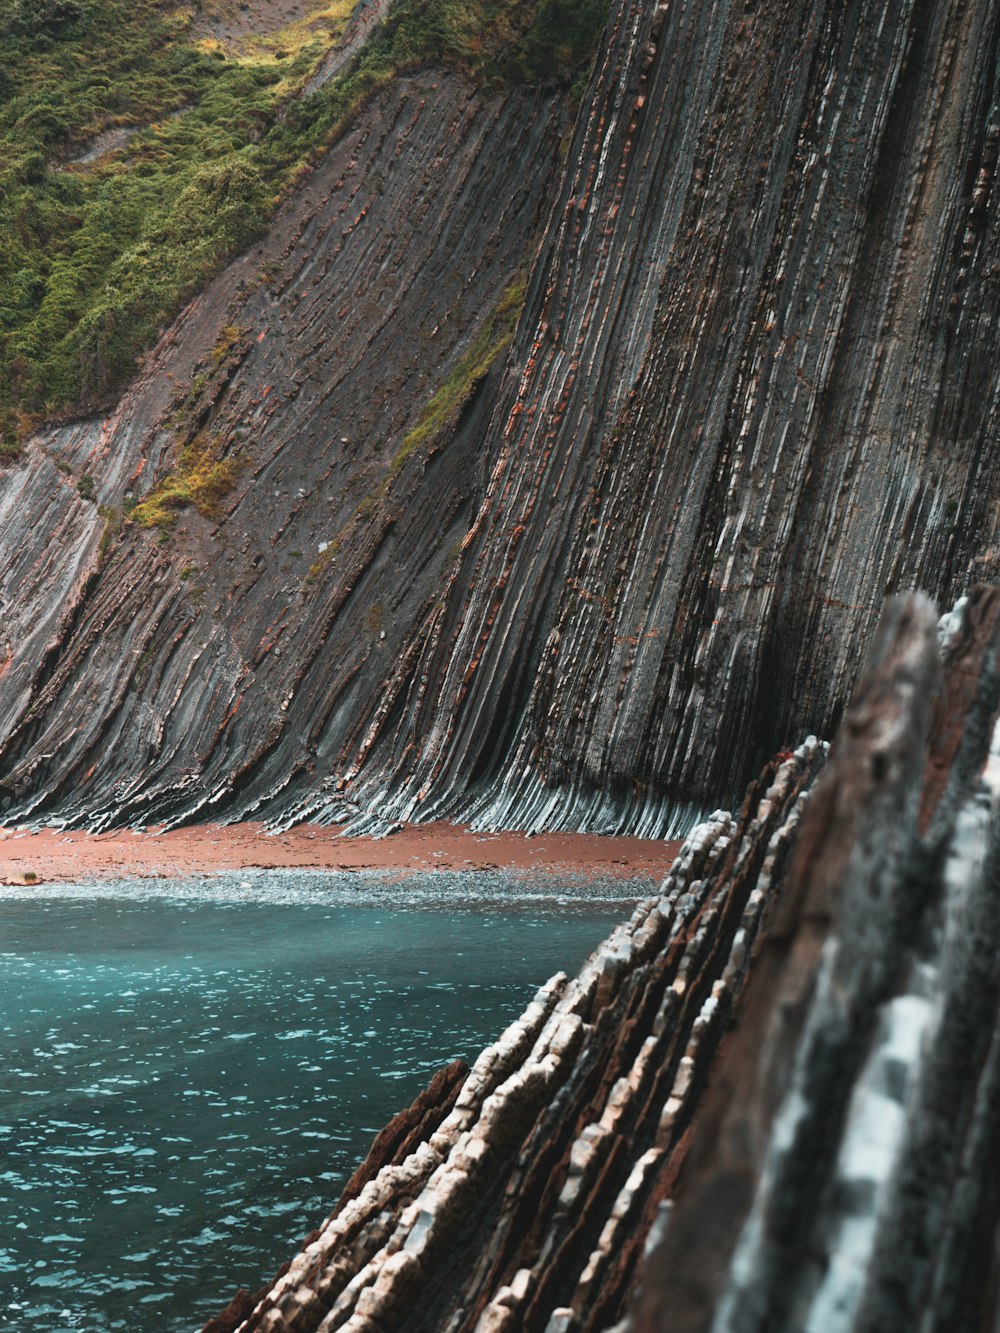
(768, 1102)
(247, 653)
(753, 390)
(842, 1171)
(751, 365)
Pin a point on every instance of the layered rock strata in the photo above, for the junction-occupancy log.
(768, 1102)
(210, 671)
(843, 1171)
(753, 390)
(758, 351)
(534, 1191)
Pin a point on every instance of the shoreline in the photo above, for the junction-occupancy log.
(47, 856)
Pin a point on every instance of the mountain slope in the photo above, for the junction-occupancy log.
(752, 391)
(309, 393)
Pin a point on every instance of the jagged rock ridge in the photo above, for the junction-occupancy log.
(752, 391)
(537, 1184)
(621, 1159)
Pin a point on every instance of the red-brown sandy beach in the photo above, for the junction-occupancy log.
(52, 855)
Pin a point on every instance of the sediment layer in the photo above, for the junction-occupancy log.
(53, 856)
(752, 392)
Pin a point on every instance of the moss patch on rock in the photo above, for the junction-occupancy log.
(204, 476)
(491, 339)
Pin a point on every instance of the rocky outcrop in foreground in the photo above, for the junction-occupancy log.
(768, 1102)
(753, 390)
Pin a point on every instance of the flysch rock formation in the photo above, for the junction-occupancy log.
(843, 1174)
(143, 676)
(753, 391)
(768, 1102)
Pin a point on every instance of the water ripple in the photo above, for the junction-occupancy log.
(191, 1072)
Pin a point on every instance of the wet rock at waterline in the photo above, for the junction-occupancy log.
(768, 1101)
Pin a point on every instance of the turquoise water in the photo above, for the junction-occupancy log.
(192, 1069)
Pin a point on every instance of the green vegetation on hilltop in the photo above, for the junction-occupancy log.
(190, 147)
(100, 255)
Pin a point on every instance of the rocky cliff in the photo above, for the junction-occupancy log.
(768, 1102)
(589, 575)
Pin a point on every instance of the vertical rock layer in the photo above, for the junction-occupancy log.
(756, 374)
(753, 389)
(842, 1173)
(534, 1188)
(144, 676)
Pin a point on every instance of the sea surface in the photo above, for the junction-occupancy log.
(192, 1068)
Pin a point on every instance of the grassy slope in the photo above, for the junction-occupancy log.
(99, 256)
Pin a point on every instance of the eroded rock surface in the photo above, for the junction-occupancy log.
(753, 390)
(843, 1171)
(160, 675)
(536, 1188)
(768, 1102)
